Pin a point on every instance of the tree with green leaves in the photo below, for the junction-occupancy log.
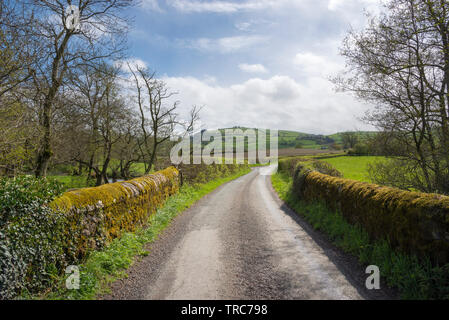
(400, 64)
(70, 34)
(350, 139)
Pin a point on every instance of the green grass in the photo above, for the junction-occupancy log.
(413, 278)
(289, 139)
(101, 268)
(76, 182)
(354, 167)
(259, 165)
(137, 169)
(72, 182)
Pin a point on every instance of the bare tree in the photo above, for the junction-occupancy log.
(400, 63)
(111, 120)
(97, 96)
(157, 127)
(67, 44)
(127, 150)
(17, 49)
(157, 113)
(350, 139)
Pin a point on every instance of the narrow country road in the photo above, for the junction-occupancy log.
(241, 242)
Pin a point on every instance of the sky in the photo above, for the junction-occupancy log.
(254, 63)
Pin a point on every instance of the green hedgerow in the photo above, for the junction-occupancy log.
(29, 237)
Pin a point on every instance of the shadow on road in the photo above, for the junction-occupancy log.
(347, 264)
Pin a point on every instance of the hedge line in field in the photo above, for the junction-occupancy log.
(289, 165)
(416, 223)
(202, 173)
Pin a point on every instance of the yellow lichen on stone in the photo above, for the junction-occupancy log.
(414, 222)
(98, 215)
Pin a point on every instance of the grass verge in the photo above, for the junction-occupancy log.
(413, 278)
(101, 268)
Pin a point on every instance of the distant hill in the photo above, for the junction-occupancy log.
(292, 139)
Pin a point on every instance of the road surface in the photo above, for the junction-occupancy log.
(241, 242)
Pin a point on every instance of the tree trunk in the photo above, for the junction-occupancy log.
(45, 152)
(99, 178)
(104, 170)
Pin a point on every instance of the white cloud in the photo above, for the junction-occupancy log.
(220, 6)
(253, 68)
(297, 39)
(334, 4)
(243, 26)
(252, 25)
(133, 62)
(151, 5)
(279, 102)
(225, 6)
(223, 45)
(310, 64)
(344, 5)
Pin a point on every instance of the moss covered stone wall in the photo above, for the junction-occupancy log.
(97, 215)
(416, 223)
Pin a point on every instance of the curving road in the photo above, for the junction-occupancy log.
(241, 242)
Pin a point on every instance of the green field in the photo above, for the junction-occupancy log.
(292, 139)
(72, 182)
(353, 167)
(76, 182)
(137, 169)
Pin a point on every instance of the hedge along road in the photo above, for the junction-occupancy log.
(241, 242)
